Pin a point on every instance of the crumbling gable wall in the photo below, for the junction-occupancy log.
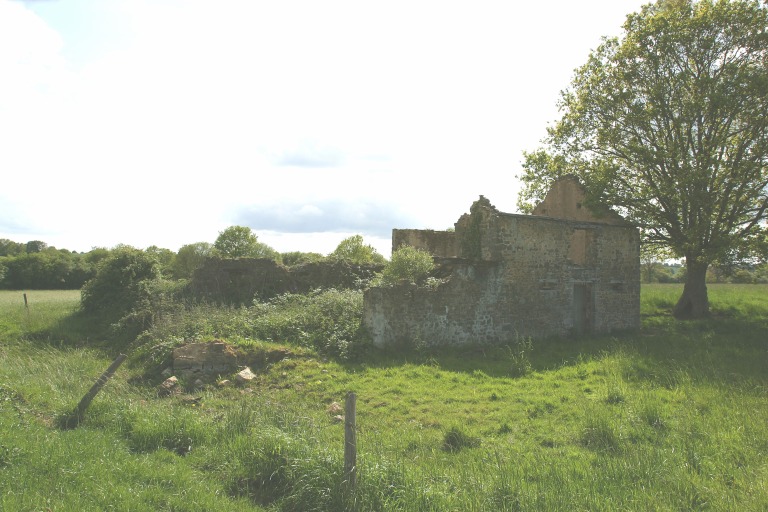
(567, 200)
(527, 275)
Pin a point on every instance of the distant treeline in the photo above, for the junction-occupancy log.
(744, 273)
(35, 265)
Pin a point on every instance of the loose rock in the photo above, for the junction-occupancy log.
(170, 386)
(245, 376)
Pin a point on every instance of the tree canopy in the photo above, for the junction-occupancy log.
(354, 250)
(190, 257)
(669, 125)
(241, 242)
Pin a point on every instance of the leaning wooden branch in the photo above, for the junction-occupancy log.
(73, 419)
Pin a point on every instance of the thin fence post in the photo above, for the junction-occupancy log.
(350, 440)
(77, 415)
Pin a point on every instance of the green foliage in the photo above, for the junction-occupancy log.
(49, 269)
(407, 264)
(165, 258)
(291, 259)
(241, 242)
(10, 248)
(190, 257)
(122, 282)
(355, 250)
(668, 125)
(327, 320)
(35, 246)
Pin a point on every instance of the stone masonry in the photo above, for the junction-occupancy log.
(562, 270)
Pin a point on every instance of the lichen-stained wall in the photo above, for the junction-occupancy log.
(520, 275)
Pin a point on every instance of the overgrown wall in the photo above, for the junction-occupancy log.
(239, 281)
(438, 243)
(520, 275)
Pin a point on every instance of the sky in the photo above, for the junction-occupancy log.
(163, 122)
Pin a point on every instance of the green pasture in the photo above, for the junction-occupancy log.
(672, 417)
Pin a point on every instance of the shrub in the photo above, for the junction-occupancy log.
(328, 320)
(128, 292)
(121, 282)
(407, 264)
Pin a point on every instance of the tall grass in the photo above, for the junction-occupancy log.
(673, 417)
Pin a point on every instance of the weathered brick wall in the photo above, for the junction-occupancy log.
(521, 275)
(239, 281)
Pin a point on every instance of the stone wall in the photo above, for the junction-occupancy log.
(239, 281)
(518, 275)
(437, 243)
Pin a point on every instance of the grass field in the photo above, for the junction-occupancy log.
(673, 417)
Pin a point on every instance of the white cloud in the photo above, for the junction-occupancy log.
(203, 110)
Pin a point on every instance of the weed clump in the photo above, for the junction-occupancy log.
(599, 433)
(519, 357)
(327, 320)
(455, 439)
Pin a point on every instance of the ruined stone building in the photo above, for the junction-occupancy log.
(560, 271)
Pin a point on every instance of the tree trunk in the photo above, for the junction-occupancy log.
(694, 303)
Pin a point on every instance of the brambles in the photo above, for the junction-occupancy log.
(407, 265)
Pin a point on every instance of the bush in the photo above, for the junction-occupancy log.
(743, 276)
(327, 320)
(121, 281)
(128, 292)
(407, 264)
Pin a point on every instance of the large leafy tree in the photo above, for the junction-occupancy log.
(669, 123)
(190, 257)
(354, 250)
(241, 242)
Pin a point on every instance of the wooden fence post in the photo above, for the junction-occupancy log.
(76, 417)
(350, 440)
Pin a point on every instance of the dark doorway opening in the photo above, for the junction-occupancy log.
(583, 308)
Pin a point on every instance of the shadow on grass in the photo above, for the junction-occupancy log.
(729, 347)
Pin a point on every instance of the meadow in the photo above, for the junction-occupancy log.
(671, 417)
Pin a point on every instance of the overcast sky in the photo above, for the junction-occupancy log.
(162, 122)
